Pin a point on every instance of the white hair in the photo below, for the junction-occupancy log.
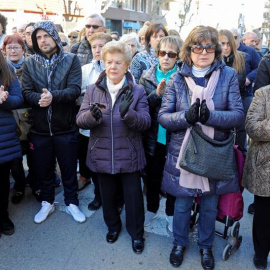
(131, 36)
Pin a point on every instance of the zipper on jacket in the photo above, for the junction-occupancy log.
(112, 140)
(49, 122)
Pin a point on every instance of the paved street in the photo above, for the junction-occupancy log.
(62, 244)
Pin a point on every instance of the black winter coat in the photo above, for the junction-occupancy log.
(66, 88)
(149, 82)
(263, 73)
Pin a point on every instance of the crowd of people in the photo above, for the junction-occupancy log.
(123, 108)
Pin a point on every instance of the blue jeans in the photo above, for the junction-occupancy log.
(206, 222)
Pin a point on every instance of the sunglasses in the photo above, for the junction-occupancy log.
(93, 26)
(170, 54)
(73, 37)
(210, 48)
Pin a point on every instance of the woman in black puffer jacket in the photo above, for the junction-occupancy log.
(235, 59)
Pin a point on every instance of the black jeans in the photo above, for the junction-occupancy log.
(4, 189)
(133, 198)
(82, 154)
(261, 227)
(64, 148)
(154, 173)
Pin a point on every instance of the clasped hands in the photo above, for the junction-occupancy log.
(126, 100)
(3, 94)
(45, 98)
(192, 115)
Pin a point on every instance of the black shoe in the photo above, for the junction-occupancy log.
(207, 258)
(112, 237)
(177, 256)
(251, 209)
(94, 205)
(138, 245)
(259, 263)
(36, 194)
(17, 197)
(6, 226)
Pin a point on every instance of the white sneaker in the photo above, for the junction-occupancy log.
(170, 223)
(44, 212)
(149, 217)
(75, 212)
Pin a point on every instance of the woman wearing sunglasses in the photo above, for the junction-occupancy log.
(154, 81)
(205, 91)
(147, 58)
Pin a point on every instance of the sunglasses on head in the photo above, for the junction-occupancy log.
(170, 54)
(210, 48)
(93, 26)
(72, 37)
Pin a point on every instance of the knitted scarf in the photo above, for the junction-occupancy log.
(18, 64)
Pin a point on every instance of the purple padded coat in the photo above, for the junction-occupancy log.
(115, 144)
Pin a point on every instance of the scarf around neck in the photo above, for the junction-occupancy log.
(187, 179)
(16, 65)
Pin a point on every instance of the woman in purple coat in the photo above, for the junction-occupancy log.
(116, 111)
(204, 91)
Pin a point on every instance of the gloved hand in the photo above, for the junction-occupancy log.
(204, 112)
(126, 101)
(96, 112)
(192, 115)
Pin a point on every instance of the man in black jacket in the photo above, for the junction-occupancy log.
(94, 23)
(51, 84)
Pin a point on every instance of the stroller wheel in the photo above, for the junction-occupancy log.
(235, 229)
(238, 242)
(226, 252)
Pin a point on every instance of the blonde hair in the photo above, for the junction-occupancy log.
(100, 35)
(169, 40)
(239, 59)
(117, 47)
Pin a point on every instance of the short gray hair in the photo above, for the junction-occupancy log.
(131, 36)
(96, 15)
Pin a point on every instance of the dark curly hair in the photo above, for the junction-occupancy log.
(3, 21)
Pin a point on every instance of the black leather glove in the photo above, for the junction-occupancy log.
(204, 112)
(126, 101)
(192, 115)
(96, 112)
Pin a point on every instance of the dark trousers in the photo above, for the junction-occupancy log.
(261, 227)
(154, 173)
(64, 148)
(82, 154)
(18, 175)
(133, 199)
(4, 189)
(241, 135)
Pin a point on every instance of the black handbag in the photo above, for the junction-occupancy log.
(207, 157)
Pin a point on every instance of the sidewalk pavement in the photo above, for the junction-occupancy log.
(60, 243)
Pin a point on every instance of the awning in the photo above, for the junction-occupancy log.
(132, 25)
